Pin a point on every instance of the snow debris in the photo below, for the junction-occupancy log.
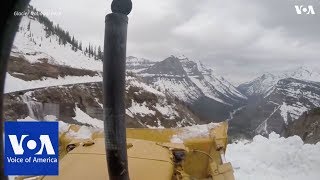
(275, 158)
(176, 139)
(195, 131)
(84, 132)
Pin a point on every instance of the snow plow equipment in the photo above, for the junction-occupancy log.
(152, 154)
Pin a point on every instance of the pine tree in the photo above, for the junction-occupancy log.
(80, 46)
(94, 52)
(76, 45)
(99, 53)
(89, 50)
(72, 43)
(28, 26)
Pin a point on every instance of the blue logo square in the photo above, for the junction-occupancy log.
(31, 148)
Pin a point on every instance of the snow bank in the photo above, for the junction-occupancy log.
(275, 158)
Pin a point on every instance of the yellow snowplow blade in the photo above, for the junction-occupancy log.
(151, 155)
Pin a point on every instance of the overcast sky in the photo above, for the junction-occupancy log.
(239, 39)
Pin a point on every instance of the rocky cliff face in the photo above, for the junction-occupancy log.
(210, 95)
(82, 104)
(50, 80)
(306, 126)
(281, 105)
(264, 84)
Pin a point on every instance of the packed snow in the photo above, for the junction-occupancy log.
(275, 158)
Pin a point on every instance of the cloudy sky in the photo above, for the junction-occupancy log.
(238, 39)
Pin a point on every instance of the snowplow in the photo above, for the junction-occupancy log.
(161, 154)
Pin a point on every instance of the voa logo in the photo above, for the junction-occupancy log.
(31, 148)
(33, 144)
(301, 9)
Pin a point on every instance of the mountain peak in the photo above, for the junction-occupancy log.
(265, 82)
(304, 73)
(169, 66)
(180, 57)
(267, 75)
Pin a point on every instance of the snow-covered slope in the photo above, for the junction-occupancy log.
(286, 101)
(274, 158)
(189, 81)
(43, 74)
(211, 84)
(264, 84)
(294, 97)
(82, 104)
(35, 46)
(135, 64)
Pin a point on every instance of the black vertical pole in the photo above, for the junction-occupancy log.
(114, 65)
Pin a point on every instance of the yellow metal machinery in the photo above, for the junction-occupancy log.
(151, 155)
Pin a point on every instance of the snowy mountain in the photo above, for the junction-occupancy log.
(276, 101)
(51, 78)
(135, 64)
(189, 80)
(209, 94)
(263, 84)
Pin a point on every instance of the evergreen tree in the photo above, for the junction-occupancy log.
(89, 50)
(80, 46)
(99, 53)
(72, 43)
(94, 52)
(28, 26)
